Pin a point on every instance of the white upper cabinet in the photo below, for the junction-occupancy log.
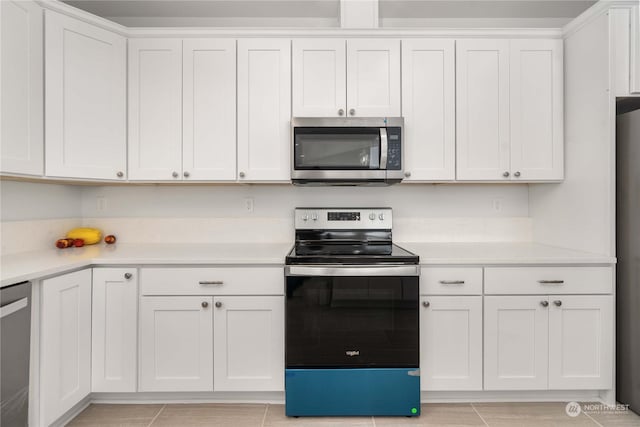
(319, 78)
(634, 60)
(536, 94)
(209, 109)
(155, 109)
(373, 78)
(21, 140)
(85, 100)
(482, 109)
(264, 110)
(509, 110)
(428, 108)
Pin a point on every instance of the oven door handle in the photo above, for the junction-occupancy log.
(322, 271)
(384, 148)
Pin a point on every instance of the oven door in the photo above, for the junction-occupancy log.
(352, 317)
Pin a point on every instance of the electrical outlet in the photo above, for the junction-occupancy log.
(496, 204)
(248, 204)
(101, 203)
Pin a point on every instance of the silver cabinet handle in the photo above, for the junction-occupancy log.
(205, 304)
(241, 174)
(218, 304)
(186, 174)
(341, 112)
(506, 174)
(452, 282)
(174, 174)
(407, 174)
(211, 282)
(384, 148)
(558, 303)
(517, 174)
(426, 304)
(120, 174)
(551, 282)
(352, 111)
(544, 303)
(128, 276)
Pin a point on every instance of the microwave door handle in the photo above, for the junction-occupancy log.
(384, 148)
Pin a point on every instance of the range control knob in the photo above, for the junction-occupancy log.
(305, 217)
(372, 216)
(314, 217)
(381, 217)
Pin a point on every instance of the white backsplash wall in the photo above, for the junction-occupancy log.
(35, 215)
(208, 213)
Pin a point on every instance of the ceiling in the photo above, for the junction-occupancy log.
(301, 13)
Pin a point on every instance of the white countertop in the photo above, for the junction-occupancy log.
(34, 265)
(501, 253)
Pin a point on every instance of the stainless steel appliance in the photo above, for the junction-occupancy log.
(352, 328)
(347, 151)
(15, 330)
(628, 254)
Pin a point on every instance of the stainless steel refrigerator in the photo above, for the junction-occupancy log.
(628, 253)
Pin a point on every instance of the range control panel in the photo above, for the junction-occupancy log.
(343, 218)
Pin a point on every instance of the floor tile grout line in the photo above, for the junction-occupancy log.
(157, 415)
(592, 419)
(476, 411)
(264, 417)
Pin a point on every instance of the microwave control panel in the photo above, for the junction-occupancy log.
(394, 156)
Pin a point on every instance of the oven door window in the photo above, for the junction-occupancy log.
(337, 148)
(352, 322)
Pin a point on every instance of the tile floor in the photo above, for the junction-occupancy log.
(258, 415)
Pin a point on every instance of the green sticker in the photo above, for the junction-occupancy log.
(414, 410)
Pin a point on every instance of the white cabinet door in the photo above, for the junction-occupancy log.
(634, 59)
(482, 129)
(209, 109)
(65, 359)
(249, 343)
(21, 125)
(114, 339)
(155, 109)
(581, 334)
(319, 78)
(451, 343)
(536, 112)
(428, 108)
(516, 342)
(176, 343)
(373, 77)
(264, 110)
(85, 100)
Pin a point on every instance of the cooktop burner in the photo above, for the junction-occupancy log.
(346, 236)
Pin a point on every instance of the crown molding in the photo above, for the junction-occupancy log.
(595, 11)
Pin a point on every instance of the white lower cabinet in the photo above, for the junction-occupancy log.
(248, 342)
(114, 339)
(555, 342)
(65, 353)
(176, 345)
(451, 343)
(516, 342)
(581, 334)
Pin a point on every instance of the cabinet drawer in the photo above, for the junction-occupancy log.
(212, 281)
(548, 280)
(451, 281)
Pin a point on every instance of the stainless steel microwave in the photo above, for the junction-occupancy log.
(347, 151)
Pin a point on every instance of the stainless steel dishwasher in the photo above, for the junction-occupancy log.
(15, 337)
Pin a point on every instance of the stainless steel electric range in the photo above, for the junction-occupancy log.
(352, 328)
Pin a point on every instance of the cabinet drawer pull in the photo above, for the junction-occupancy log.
(218, 304)
(544, 303)
(551, 282)
(211, 282)
(558, 303)
(452, 282)
(128, 276)
(426, 304)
